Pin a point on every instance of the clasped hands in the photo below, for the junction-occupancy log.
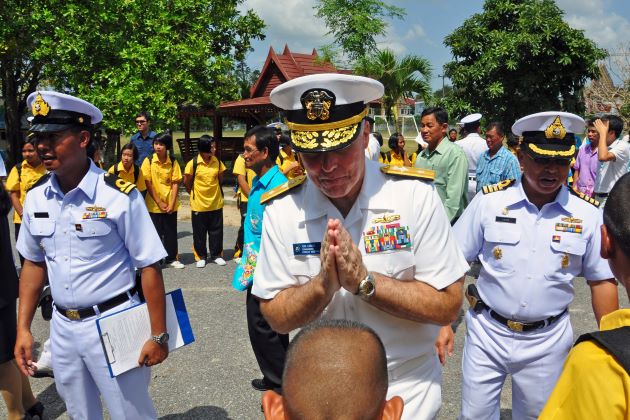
(341, 261)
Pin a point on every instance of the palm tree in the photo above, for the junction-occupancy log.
(402, 79)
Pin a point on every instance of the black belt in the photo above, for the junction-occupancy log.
(524, 326)
(602, 194)
(76, 314)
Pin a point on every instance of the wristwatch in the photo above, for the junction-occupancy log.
(367, 287)
(160, 339)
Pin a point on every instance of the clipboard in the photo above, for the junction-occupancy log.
(124, 333)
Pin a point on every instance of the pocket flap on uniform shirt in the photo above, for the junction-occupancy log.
(305, 265)
(390, 263)
(575, 245)
(504, 236)
(93, 228)
(42, 227)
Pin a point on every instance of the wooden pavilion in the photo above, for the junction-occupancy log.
(257, 109)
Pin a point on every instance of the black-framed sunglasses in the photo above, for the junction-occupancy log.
(140, 122)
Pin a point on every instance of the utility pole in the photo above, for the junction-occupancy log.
(442, 76)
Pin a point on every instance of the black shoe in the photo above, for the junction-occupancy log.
(261, 385)
(37, 410)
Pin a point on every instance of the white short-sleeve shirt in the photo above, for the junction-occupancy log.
(529, 257)
(474, 146)
(610, 172)
(412, 210)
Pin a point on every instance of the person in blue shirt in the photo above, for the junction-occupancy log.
(497, 163)
(143, 139)
(260, 150)
(88, 231)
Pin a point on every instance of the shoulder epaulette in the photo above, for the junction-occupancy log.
(407, 172)
(585, 197)
(40, 181)
(118, 184)
(281, 189)
(487, 189)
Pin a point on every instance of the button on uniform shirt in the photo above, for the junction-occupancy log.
(473, 146)
(610, 172)
(23, 181)
(162, 176)
(593, 384)
(491, 170)
(144, 145)
(530, 257)
(129, 176)
(206, 194)
(294, 226)
(91, 238)
(587, 164)
(240, 169)
(451, 175)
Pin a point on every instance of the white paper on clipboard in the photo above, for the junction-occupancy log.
(124, 333)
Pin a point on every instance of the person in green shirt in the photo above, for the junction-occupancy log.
(446, 159)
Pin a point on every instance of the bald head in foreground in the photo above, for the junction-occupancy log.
(348, 383)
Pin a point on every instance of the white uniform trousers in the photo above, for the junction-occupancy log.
(420, 388)
(81, 373)
(534, 359)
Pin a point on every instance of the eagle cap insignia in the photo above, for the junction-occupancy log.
(40, 106)
(317, 104)
(556, 130)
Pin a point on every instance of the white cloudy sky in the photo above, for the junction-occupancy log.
(427, 22)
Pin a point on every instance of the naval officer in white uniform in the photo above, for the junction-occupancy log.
(474, 146)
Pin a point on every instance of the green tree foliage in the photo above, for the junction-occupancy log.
(125, 56)
(355, 24)
(518, 57)
(405, 78)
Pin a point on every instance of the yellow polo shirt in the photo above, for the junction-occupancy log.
(286, 161)
(206, 194)
(240, 169)
(396, 159)
(120, 172)
(162, 176)
(593, 385)
(21, 183)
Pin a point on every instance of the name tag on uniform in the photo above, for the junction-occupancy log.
(307, 248)
(40, 215)
(503, 219)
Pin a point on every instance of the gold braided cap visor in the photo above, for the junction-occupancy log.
(327, 136)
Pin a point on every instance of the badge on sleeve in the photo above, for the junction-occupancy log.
(307, 248)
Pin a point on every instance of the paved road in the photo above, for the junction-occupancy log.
(210, 379)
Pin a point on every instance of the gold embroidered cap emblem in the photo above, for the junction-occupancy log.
(40, 106)
(317, 104)
(556, 130)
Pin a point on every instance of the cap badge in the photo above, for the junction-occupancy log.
(556, 130)
(317, 104)
(40, 107)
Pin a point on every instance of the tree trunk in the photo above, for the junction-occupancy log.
(12, 109)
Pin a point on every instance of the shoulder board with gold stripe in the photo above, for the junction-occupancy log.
(281, 189)
(118, 184)
(487, 189)
(407, 172)
(585, 197)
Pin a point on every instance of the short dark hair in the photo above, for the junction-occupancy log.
(370, 120)
(498, 126)
(615, 124)
(144, 114)
(205, 143)
(265, 137)
(441, 116)
(616, 216)
(451, 130)
(472, 126)
(379, 137)
(132, 147)
(165, 138)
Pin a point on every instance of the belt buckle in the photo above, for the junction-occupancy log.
(515, 325)
(73, 314)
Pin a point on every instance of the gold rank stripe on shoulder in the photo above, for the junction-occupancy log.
(407, 172)
(281, 189)
(585, 197)
(119, 184)
(487, 189)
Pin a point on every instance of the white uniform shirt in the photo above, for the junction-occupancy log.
(91, 238)
(473, 145)
(301, 217)
(373, 151)
(609, 172)
(3, 169)
(529, 257)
